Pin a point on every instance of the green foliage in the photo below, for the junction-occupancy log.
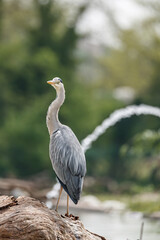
(38, 42)
(133, 63)
(30, 56)
(141, 145)
(143, 151)
(147, 207)
(24, 141)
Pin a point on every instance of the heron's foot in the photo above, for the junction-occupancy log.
(72, 216)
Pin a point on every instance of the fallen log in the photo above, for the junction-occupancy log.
(18, 187)
(8, 184)
(26, 218)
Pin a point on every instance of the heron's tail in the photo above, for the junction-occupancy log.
(74, 198)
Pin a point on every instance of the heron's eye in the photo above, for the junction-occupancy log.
(60, 80)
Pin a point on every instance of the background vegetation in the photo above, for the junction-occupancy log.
(38, 41)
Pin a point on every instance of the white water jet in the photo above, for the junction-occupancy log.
(53, 193)
(115, 117)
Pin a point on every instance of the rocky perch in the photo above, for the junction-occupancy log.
(26, 218)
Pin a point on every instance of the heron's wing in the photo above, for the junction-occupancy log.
(68, 160)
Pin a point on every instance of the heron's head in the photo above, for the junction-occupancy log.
(56, 83)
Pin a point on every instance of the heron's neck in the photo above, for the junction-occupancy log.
(52, 115)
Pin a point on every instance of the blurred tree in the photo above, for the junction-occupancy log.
(1, 16)
(134, 63)
(138, 153)
(53, 32)
(38, 41)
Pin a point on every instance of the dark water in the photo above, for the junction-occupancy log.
(116, 226)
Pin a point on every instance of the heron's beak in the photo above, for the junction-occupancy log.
(50, 82)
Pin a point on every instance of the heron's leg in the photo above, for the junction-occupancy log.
(67, 205)
(60, 192)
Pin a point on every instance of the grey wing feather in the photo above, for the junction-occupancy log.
(68, 161)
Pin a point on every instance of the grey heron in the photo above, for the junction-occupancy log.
(66, 154)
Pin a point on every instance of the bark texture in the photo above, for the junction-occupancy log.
(26, 218)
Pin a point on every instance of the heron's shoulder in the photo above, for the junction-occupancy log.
(65, 138)
(64, 133)
(66, 130)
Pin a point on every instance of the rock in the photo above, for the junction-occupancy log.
(90, 201)
(113, 205)
(154, 215)
(16, 192)
(26, 218)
